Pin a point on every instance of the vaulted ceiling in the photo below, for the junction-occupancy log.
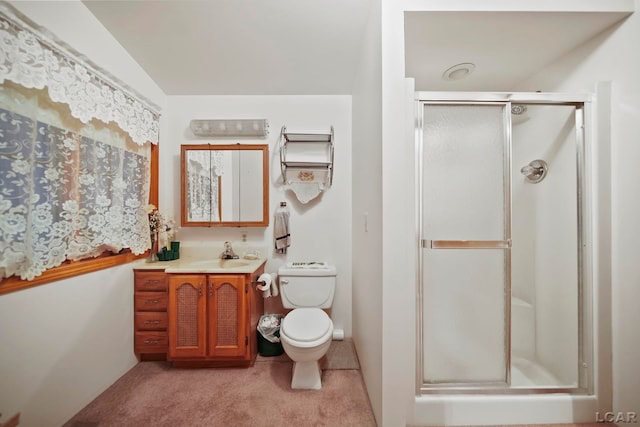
(289, 47)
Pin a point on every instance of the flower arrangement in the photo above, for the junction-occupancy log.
(156, 221)
(170, 228)
(162, 231)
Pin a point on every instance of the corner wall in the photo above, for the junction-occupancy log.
(399, 242)
(367, 211)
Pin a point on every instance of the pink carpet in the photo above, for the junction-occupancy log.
(155, 394)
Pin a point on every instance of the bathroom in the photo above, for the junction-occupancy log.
(369, 230)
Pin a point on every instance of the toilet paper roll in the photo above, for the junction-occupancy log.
(269, 287)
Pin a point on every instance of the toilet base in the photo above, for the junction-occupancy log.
(306, 375)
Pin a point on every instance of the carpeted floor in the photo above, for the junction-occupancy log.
(545, 425)
(155, 394)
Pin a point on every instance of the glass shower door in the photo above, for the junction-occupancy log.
(465, 238)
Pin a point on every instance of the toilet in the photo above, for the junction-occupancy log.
(306, 331)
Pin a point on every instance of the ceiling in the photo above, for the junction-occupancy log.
(241, 47)
(303, 47)
(505, 47)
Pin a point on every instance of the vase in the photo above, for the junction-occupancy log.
(153, 252)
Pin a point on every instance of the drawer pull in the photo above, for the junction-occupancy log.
(151, 322)
(151, 301)
(151, 341)
(151, 282)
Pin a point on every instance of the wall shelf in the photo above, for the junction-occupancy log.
(306, 153)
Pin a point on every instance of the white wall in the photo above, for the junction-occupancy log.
(399, 249)
(611, 56)
(367, 212)
(320, 229)
(63, 343)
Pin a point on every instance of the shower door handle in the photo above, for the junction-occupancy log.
(466, 244)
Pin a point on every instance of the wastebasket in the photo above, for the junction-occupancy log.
(269, 335)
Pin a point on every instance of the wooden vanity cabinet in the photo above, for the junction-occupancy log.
(151, 299)
(213, 319)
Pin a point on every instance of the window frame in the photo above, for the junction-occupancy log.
(76, 268)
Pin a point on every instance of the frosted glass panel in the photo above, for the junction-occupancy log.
(464, 184)
(463, 170)
(464, 319)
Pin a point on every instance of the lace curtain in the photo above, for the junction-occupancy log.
(74, 157)
(67, 190)
(33, 60)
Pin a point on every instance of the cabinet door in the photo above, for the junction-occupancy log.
(187, 315)
(227, 316)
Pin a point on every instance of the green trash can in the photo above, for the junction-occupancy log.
(269, 335)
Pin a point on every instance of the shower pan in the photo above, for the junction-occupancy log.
(504, 285)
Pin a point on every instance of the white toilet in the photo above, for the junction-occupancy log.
(306, 331)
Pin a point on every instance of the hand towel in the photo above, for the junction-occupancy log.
(306, 185)
(281, 232)
(305, 191)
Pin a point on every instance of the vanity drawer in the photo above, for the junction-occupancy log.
(151, 301)
(150, 281)
(151, 321)
(151, 342)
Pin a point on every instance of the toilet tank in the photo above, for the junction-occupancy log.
(307, 285)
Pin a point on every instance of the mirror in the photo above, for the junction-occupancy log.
(224, 185)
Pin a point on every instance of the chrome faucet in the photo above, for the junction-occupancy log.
(228, 252)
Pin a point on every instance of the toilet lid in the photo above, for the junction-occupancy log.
(306, 324)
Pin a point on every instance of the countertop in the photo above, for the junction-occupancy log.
(202, 265)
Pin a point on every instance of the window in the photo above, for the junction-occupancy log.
(71, 195)
(77, 164)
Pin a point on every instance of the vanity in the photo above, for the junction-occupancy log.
(198, 312)
(201, 310)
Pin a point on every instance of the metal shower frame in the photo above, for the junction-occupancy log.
(583, 104)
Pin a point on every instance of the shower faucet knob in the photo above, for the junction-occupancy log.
(535, 171)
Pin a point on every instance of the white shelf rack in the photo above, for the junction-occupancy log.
(307, 153)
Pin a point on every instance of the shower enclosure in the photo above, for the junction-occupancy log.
(504, 285)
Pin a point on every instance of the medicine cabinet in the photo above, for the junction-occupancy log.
(224, 185)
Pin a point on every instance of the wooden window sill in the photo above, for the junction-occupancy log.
(67, 270)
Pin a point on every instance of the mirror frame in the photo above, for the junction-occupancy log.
(217, 147)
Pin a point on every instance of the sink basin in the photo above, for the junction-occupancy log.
(231, 263)
(218, 263)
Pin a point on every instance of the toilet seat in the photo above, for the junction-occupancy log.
(306, 325)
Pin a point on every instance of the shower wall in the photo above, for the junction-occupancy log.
(544, 251)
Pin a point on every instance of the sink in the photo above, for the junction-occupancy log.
(231, 263)
(218, 263)
(212, 265)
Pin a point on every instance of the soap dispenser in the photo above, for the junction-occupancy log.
(243, 246)
(248, 252)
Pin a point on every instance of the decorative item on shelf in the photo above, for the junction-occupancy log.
(306, 160)
(230, 127)
(163, 233)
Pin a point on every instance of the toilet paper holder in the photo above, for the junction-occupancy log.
(257, 283)
(266, 284)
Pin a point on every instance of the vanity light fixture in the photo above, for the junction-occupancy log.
(230, 127)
